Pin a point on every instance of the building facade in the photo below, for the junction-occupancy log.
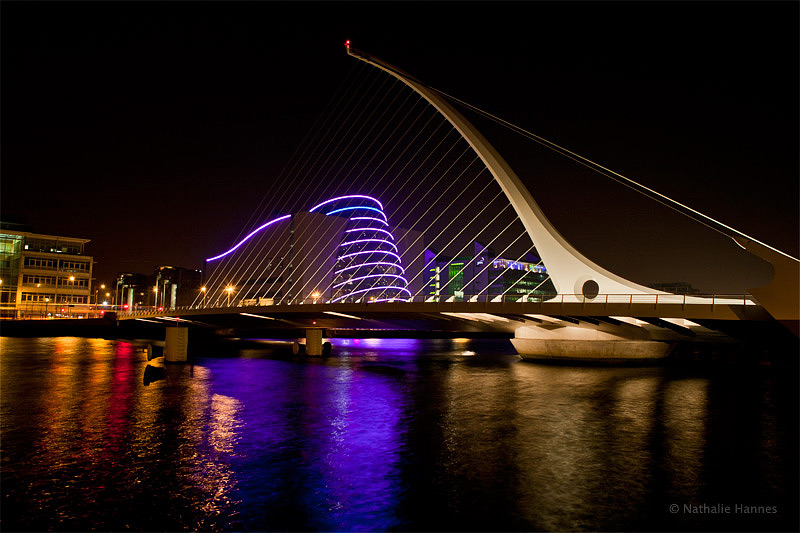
(175, 287)
(480, 271)
(131, 291)
(341, 250)
(44, 276)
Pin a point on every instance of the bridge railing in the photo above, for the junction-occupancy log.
(600, 299)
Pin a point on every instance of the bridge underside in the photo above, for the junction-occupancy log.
(553, 322)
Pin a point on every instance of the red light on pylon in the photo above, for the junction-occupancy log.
(314, 323)
(347, 44)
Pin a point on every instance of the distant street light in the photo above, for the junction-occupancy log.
(203, 290)
(229, 290)
(72, 287)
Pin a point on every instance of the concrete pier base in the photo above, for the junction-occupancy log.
(596, 351)
(176, 345)
(589, 345)
(314, 342)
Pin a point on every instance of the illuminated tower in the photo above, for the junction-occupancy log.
(368, 266)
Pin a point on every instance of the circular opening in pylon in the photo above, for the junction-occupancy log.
(590, 289)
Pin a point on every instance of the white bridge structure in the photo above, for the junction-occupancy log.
(292, 270)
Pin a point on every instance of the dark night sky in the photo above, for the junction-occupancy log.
(153, 128)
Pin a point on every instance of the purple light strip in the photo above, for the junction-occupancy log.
(371, 229)
(370, 218)
(284, 217)
(356, 207)
(371, 264)
(369, 252)
(370, 289)
(345, 198)
(369, 276)
(370, 240)
(390, 300)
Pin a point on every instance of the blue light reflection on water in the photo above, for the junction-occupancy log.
(389, 434)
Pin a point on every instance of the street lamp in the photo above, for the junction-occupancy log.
(155, 297)
(315, 295)
(46, 303)
(72, 287)
(203, 290)
(229, 290)
(96, 291)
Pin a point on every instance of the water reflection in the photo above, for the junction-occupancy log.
(386, 435)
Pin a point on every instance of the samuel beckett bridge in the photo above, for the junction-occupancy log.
(396, 214)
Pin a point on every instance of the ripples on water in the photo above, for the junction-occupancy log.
(387, 435)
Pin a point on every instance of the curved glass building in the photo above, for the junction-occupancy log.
(367, 265)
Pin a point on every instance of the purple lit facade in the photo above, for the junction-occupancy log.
(341, 250)
(368, 264)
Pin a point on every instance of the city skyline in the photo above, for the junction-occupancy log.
(151, 130)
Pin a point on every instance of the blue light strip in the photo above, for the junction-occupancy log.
(370, 289)
(371, 229)
(284, 217)
(345, 198)
(370, 240)
(357, 207)
(367, 277)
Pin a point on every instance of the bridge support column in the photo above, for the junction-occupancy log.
(176, 345)
(314, 341)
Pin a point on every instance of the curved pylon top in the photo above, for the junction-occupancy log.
(570, 271)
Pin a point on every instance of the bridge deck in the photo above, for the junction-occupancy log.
(410, 310)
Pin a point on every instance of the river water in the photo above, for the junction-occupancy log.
(388, 435)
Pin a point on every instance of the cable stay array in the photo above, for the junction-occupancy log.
(385, 201)
(382, 201)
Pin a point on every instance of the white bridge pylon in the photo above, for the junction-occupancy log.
(570, 271)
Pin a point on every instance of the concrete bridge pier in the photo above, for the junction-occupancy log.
(314, 345)
(582, 345)
(314, 341)
(176, 345)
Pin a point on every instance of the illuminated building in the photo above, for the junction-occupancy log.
(43, 276)
(340, 250)
(175, 286)
(480, 271)
(368, 264)
(131, 290)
